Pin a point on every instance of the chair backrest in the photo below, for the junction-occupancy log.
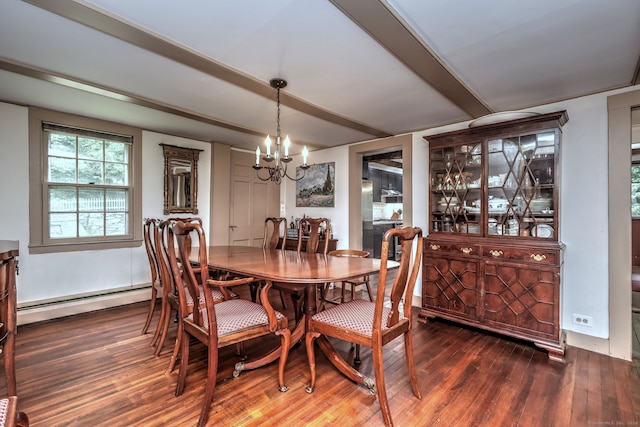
(150, 231)
(272, 229)
(181, 235)
(313, 238)
(410, 239)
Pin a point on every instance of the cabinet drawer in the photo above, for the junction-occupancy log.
(451, 248)
(546, 257)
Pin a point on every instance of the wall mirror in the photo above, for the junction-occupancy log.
(180, 179)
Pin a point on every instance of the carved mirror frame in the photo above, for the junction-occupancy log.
(180, 179)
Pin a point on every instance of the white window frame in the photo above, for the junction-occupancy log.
(39, 240)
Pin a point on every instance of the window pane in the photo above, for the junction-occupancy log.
(62, 145)
(91, 224)
(117, 200)
(116, 174)
(91, 199)
(62, 170)
(62, 226)
(116, 152)
(89, 148)
(117, 224)
(62, 199)
(89, 172)
(635, 190)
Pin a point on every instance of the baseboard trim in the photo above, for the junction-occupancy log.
(54, 309)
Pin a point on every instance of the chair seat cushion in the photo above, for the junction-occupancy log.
(356, 315)
(4, 407)
(238, 314)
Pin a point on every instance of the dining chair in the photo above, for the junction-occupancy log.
(273, 228)
(374, 324)
(309, 233)
(150, 229)
(170, 292)
(9, 414)
(353, 283)
(231, 321)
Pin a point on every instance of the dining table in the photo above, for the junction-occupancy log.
(296, 268)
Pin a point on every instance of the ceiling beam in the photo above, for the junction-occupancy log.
(93, 17)
(395, 35)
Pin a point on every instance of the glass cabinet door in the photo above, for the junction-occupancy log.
(456, 189)
(512, 196)
(521, 183)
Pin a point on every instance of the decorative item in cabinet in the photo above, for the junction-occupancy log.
(498, 180)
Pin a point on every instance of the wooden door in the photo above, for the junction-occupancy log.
(251, 202)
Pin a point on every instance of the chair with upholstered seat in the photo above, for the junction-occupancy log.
(231, 321)
(9, 414)
(374, 324)
(170, 292)
(309, 233)
(353, 283)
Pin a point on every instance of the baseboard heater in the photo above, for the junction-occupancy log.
(54, 308)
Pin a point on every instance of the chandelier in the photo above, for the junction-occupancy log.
(276, 162)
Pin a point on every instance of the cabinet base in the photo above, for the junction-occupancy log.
(555, 350)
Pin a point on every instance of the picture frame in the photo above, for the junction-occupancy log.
(316, 188)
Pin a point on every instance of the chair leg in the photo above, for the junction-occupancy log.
(408, 349)
(378, 365)
(285, 343)
(212, 373)
(369, 290)
(184, 363)
(165, 328)
(310, 338)
(156, 334)
(176, 349)
(152, 307)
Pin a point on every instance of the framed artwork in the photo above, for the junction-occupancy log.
(317, 187)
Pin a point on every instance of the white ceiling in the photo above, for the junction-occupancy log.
(357, 69)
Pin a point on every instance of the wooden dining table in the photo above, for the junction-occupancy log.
(296, 268)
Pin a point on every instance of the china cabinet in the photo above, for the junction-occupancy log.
(492, 258)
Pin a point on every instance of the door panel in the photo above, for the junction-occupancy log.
(252, 201)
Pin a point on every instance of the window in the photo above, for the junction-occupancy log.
(83, 183)
(635, 190)
(88, 185)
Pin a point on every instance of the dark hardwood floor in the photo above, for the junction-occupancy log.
(96, 369)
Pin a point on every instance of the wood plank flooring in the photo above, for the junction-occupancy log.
(96, 369)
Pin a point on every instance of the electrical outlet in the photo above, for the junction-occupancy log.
(582, 320)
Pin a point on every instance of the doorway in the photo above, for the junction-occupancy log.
(356, 155)
(382, 200)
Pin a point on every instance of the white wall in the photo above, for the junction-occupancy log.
(339, 215)
(60, 275)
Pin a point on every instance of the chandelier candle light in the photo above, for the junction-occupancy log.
(279, 169)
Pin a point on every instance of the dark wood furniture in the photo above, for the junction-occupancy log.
(219, 324)
(374, 324)
(150, 230)
(9, 251)
(492, 259)
(299, 269)
(310, 231)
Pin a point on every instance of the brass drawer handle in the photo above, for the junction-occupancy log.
(495, 253)
(466, 251)
(538, 257)
(434, 247)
